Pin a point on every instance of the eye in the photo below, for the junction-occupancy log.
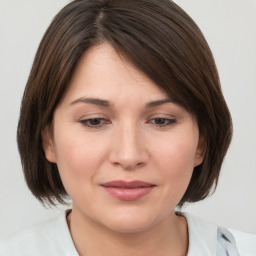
(94, 122)
(160, 121)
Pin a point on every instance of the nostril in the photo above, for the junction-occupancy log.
(128, 151)
(128, 165)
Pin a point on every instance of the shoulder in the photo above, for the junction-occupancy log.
(218, 240)
(28, 240)
(202, 236)
(246, 242)
(47, 238)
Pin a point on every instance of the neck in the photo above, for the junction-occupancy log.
(169, 237)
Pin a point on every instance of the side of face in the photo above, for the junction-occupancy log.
(115, 124)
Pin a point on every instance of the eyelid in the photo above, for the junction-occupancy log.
(91, 115)
(170, 121)
(85, 119)
(85, 122)
(161, 115)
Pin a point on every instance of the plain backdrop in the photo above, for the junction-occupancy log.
(229, 27)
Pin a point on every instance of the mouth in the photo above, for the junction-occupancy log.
(128, 191)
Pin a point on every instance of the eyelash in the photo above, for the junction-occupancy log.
(167, 121)
(103, 121)
(86, 122)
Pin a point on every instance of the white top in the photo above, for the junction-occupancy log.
(52, 238)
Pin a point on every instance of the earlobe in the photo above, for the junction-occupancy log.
(48, 146)
(200, 152)
(198, 159)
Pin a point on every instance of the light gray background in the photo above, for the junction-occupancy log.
(229, 26)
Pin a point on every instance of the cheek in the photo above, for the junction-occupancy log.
(178, 154)
(176, 162)
(78, 156)
(78, 163)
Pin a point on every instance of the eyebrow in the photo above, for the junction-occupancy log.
(157, 103)
(95, 101)
(105, 103)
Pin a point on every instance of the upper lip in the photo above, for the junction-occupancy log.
(127, 184)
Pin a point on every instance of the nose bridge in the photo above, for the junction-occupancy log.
(128, 149)
(128, 138)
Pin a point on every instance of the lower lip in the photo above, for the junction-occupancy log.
(129, 194)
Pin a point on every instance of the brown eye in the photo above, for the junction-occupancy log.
(160, 121)
(94, 122)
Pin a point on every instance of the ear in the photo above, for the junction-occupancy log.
(48, 145)
(200, 152)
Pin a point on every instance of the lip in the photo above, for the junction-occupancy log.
(128, 190)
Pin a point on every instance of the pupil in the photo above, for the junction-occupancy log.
(160, 121)
(95, 121)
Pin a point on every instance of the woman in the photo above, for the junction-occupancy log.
(123, 113)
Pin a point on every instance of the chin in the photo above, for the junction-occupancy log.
(129, 227)
(128, 222)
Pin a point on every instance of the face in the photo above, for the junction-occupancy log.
(124, 151)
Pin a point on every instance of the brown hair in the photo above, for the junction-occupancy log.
(161, 40)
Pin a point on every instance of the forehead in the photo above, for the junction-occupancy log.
(103, 73)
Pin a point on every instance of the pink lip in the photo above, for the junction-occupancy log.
(128, 191)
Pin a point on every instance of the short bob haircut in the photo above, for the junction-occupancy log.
(159, 39)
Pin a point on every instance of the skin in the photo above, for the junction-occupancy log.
(128, 139)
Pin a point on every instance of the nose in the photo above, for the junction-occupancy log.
(128, 149)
